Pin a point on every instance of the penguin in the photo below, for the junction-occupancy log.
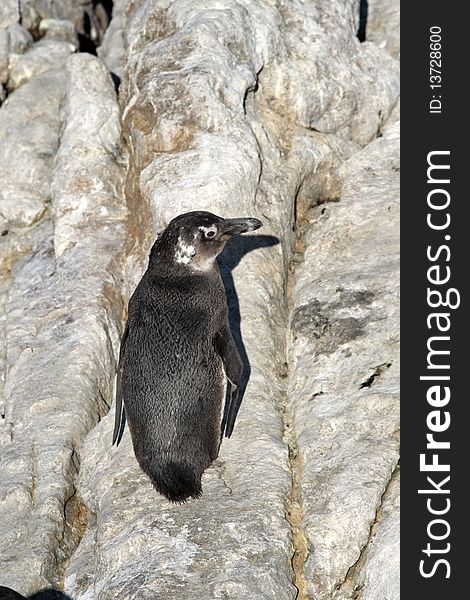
(7, 593)
(177, 353)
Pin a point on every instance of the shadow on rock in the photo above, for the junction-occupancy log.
(235, 250)
(49, 594)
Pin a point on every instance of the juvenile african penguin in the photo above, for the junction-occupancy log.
(176, 351)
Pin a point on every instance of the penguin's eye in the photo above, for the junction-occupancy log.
(210, 232)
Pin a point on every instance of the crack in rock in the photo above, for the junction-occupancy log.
(294, 511)
(75, 523)
(354, 568)
(377, 373)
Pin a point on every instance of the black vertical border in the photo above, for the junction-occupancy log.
(423, 132)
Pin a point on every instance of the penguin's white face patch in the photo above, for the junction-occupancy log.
(184, 252)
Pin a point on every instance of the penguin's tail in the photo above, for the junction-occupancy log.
(176, 481)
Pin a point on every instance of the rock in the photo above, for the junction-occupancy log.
(68, 10)
(268, 110)
(383, 25)
(187, 80)
(14, 243)
(31, 500)
(4, 286)
(20, 39)
(393, 118)
(200, 136)
(30, 209)
(4, 50)
(45, 55)
(380, 576)
(343, 390)
(9, 13)
(29, 132)
(377, 574)
(111, 51)
(61, 336)
(235, 540)
(89, 17)
(29, 17)
(178, 549)
(85, 191)
(322, 78)
(58, 29)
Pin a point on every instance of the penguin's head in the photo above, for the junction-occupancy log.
(195, 239)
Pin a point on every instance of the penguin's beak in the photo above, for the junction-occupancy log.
(236, 226)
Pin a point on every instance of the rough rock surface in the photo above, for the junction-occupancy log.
(263, 109)
(111, 51)
(59, 29)
(9, 12)
(29, 135)
(377, 573)
(344, 353)
(62, 317)
(41, 57)
(383, 25)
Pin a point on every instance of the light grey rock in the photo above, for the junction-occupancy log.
(4, 286)
(45, 55)
(111, 50)
(20, 39)
(25, 211)
(200, 136)
(26, 529)
(4, 51)
(9, 13)
(247, 42)
(377, 574)
(58, 29)
(29, 17)
(68, 10)
(393, 118)
(29, 132)
(28, 13)
(383, 25)
(148, 547)
(61, 336)
(343, 389)
(380, 575)
(234, 542)
(243, 109)
(89, 17)
(322, 77)
(14, 243)
(86, 191)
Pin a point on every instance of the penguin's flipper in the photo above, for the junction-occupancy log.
(120, 414)
(119, 420)
(233, 367)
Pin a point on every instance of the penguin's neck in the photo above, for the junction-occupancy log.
(166, 267)
(170, 257)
